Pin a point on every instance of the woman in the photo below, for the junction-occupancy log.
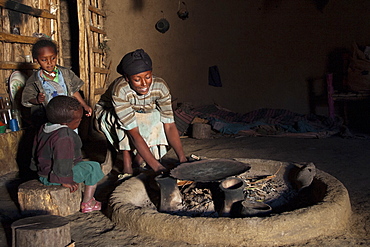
(135, 114)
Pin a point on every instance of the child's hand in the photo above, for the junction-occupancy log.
(72, 187)
(40, 98)
(89, 110)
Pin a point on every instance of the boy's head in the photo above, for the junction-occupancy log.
(45, 53)
(64, 110)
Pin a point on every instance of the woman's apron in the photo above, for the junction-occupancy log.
(150, 128)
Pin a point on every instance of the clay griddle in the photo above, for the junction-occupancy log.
(209, 170)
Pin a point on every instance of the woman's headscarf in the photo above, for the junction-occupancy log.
(134, 63)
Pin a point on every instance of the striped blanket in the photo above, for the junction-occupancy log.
(264, 121)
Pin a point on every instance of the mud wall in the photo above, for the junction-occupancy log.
(265, 50)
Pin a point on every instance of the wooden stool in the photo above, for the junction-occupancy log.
(36, 199)
(42, 230)
(201, 131)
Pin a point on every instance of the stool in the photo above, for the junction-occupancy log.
(42, 230)
(36, 198)
(201, 131)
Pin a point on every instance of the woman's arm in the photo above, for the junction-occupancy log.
(87, 108)
(143, 150)
(174, 140)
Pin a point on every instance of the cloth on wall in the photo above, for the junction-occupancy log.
(214, 78)
(359, 70)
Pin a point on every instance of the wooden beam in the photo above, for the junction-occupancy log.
(97, 50)
(12, 5)
(18, 65)
(97, 11)
(97, 30)
(99, 91)
(100, 70)
(14, 38)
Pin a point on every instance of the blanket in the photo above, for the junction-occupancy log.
(263, 121)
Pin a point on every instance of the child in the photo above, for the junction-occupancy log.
(49, 81)
(57, 152)
(135, 114)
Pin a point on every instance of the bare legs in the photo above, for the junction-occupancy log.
(138, 160)
(127, 162)
(89, 192)
(110, 158)
(89, 203)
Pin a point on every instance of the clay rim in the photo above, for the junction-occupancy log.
(325, 218)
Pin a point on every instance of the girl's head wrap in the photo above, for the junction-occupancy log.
(134, 63)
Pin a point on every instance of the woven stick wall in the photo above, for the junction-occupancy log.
(94, 67)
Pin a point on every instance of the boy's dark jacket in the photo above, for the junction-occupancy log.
(56, 150)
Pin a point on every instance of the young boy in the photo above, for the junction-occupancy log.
(57, 152)
(49, 81)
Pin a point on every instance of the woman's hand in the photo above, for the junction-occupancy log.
(183, 160)
(72, 187)
(144, 151)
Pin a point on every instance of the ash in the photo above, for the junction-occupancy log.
(206, 199)
(268, 189)
(197, 200)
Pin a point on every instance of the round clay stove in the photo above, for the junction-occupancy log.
(299, 210)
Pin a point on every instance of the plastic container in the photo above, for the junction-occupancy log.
(3, 125)
(4, 116)
(2, 129)
(17, 115)
(7, 103)
(13, 124)
(28, 58)
(8, 107)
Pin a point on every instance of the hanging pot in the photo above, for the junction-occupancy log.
(183, 11)
(162, 25)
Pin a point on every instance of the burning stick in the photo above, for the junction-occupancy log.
(267, 178)
(184, 182)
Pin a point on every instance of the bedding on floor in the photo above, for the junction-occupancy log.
(261, 122)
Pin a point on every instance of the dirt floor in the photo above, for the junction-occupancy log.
(346, 159)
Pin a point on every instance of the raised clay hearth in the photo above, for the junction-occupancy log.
(322, 209)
